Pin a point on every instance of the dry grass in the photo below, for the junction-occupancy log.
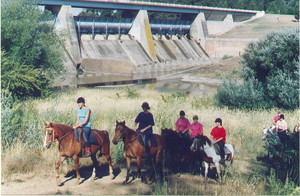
(244, 131)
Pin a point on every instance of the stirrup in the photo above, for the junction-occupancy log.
(88, 154)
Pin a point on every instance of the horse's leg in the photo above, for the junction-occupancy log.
(111, 171)
(158, 165)
(206, 171)
(58, 163)
(76, 163)
(139, 166)
(128, 161)
(95, 163)
(218, 171)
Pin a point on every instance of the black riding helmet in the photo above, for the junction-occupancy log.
(219, 120)
(146, 105)
(80, 100)
(182, 113)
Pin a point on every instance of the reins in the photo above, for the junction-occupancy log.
(55, 133)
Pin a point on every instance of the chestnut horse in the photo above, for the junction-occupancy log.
(69, 147)
(133, 149)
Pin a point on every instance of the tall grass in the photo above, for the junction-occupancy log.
(23, 152)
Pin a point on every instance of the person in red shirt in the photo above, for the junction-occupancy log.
(218, 133)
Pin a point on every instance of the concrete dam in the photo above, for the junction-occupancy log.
(99, 51)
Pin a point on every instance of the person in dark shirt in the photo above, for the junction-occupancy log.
(146, 122)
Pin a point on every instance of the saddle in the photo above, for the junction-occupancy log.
(94, 138)
(152, 139)
(217, 149)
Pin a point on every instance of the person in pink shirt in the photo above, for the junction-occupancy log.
(196, 128)
(281, 128)
(182, 126)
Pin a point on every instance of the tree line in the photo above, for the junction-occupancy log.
(289, 7)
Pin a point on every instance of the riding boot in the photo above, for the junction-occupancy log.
(88, 152)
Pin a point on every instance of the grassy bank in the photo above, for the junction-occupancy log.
(244, 129)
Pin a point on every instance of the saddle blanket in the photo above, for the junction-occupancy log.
(92, 138)
(217, 149)
(151, 138)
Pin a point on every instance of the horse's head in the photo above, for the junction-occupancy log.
(119, 132)
(267, 131)
(200, 142)
(166, 131)
(50, 135)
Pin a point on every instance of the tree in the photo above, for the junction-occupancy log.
(239, 4)
(32, 51)
(297, 10)
(270, 73)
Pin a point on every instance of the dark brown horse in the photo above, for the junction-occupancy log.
(179, 150)
(133, 149)
(69, 147)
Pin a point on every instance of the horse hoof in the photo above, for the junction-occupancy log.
(124, 182)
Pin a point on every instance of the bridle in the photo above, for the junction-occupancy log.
(122, 131)
(55, 134)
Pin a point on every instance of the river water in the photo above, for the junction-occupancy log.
(184, 81)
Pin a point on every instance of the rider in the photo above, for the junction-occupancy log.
(277, 117)
(196, 128)
(182, 126)
(218, 133)
(281, 128)
(84, 122)
(146, 122)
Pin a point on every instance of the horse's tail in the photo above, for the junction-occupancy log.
(230, 148)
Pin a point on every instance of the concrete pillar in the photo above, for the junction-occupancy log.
(142, 32)
(228, 21)
(65, 23)
(198, 30)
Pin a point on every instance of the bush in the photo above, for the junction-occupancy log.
(270, 69)
(32, 49)
(249, 95)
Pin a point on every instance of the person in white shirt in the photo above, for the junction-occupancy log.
(281, 128)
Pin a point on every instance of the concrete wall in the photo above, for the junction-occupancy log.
(117, 56)
(218, 47)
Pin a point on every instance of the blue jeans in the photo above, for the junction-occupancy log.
(86, 134)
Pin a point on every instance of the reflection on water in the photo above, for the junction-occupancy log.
(164, 82)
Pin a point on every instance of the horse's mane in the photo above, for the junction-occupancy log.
(127, 129)
(168, 132)
(62, 127)
(207, 140)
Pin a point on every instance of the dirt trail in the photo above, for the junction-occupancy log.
(45, 184)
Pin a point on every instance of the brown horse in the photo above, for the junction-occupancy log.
(69, 147)
(133, 149)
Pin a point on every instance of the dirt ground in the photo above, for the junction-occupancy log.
(44, 183)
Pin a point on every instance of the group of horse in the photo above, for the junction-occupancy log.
(169, 141)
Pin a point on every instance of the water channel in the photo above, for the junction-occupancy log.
(188, 80)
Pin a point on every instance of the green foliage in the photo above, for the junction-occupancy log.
(270, 72)
(277, 187)
(249, 95)
(296, 10)
(32, 50)
(131, 93)
(21, 80)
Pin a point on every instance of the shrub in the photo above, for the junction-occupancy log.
(32, 49)
(270, 69)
